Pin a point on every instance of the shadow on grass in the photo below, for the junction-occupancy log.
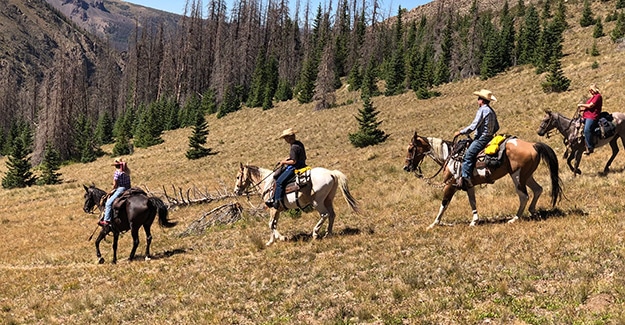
(611, 171)
(347, 231)
(540, 215)
(165, 254)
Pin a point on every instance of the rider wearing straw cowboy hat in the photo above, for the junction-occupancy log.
(121, 182)
(296, 160)
(591, 110)
(485, 125)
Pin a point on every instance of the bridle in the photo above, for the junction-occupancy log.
(248, 185)
(544, 125)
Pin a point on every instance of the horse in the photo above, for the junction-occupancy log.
(138, 211)
(520, 161)
(567, 128)
(420, 147)
(318, 195)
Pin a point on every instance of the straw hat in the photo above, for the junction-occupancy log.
(118, 162)
(287, 132)
(594, 88)
(486, 94)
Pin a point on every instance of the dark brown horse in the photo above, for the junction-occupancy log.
(138, 211)
(567, 128)
(520, 161)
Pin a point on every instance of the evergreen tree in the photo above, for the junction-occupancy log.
(149, 131)
(556, 81)
(530, 33)
(122, 133)
(231, 102)
(598, 31)
(559, 20)
(172, 109)
(271, 83)
(441, 70)
(19, 172)
(586, 19)
(209, 102)
(354, 80)
(197, 140)
(259, 80)
(520, 8)
(550, 47)
(85, 145)
(620, 4)
(395, 74)
(594, 51)
(369, 88)
(619, 29)
(187, 113)
(368, 133)
(546, 9)
(49, 166)
(306, 85)
(104, 129)
(284, 91)
(506, 39)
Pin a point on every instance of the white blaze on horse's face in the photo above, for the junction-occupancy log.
(239, 185)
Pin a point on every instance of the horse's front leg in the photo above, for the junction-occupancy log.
(115, 239)
(615, 151)
(273, 226)
(134, 231)
(448, 194)
(577, 155)
(473, 203)
(101, 236)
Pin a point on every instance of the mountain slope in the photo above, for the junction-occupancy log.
(114, 20)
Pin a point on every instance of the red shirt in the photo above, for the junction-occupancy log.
(593, 112)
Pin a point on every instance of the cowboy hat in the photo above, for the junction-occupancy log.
(287, 132)
(117, 162)
(485, 94)
(594, 88)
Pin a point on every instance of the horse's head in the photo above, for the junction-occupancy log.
(243, 180)
(417, 150)
(547, 124)
(93, 195)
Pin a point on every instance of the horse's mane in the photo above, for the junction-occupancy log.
(437, 147)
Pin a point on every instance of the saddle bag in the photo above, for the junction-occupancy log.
(607, 127)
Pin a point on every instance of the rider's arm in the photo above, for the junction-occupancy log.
(476, 121)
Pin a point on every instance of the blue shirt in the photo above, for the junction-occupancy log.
(484, 124)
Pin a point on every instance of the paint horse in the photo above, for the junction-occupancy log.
(319, 194)
(520, 161)
(567, 128)
(420, 147)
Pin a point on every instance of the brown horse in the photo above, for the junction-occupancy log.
(520, 161)
(567, 128)
(138, 211)
(420, 147)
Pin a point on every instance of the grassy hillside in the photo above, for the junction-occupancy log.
(563, 269)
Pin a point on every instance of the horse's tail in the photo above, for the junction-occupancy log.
(549, 157)
(351, 201)
(162, 212)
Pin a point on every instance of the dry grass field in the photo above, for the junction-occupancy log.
(381, 267)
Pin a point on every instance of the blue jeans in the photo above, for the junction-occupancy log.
(470, 156)
(281, 182)
(108, 208)
(589, 128)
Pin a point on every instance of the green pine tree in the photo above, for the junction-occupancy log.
(369, 88)
(619, 28)
(598, 31)
(284, 91)
(231, 102)
(259, 80)
(104, 129)
(556, 81)
(586, 19)
(594, 51)
(209, 102)
(19, 172)
(354, 80)
(49, 166)
(520, 8)
(85, 145)
(271, 82)
(149, 130)
(197, 140)
(620, 4)
(306, 85)
(368, 133)
(528, 37)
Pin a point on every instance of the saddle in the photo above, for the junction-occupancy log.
(488, 159)
(606, 129)
(121, 200)
(300, 180)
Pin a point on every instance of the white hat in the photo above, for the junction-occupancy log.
(287, 132)
(486, 94)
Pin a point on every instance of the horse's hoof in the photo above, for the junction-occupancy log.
(101, 260)
(513, 220)
(473, 224)
(147, 258)
(431, 226)
(113, 262)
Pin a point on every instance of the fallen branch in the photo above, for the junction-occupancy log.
(225, 214)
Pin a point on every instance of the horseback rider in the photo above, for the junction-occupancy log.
(296, 160)
(485, 125)
(591, 110)
(121, 182)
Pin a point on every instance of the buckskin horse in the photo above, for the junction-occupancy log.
(318, 195)
(139, 210)
(566, 127)
(520, 160)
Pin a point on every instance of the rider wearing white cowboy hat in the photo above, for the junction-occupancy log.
(485, 125)
(296, 160)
